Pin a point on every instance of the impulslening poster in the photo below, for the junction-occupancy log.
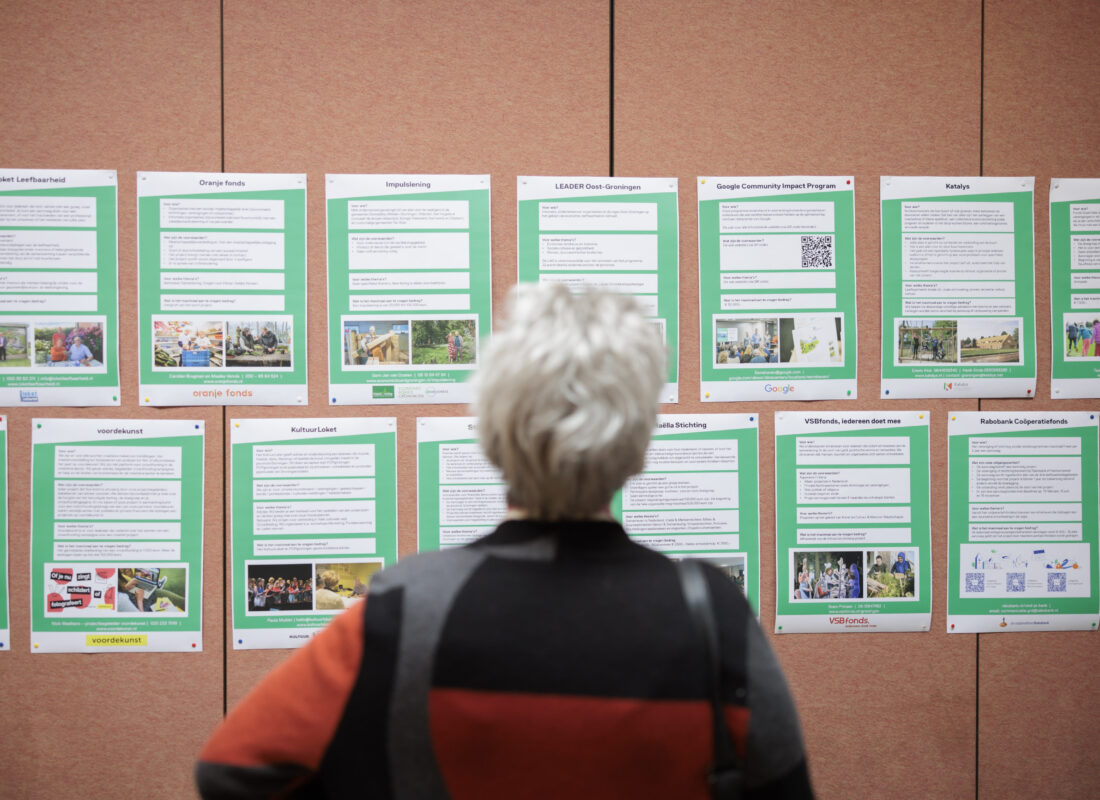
(409, 286)
(1022, 521)
(59, 287)
(314, 517)
(116, 535)
(777, 288)
(612, 234)
(221, 289)
(852, 530)
(958, 287)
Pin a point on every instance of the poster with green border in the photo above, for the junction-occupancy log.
(1022, 530)
(5, 622)
(409, 286)
(59, 287)
(1075, 287)
(696, 498)
(958, 287)
(313, 517)
(777, 288)
(221, 289)
(116, 535)
(853, 534)
(608, 234)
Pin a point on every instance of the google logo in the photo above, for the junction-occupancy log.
(786, 388)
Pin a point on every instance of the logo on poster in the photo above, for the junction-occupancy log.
(28, 396)
(787, 388)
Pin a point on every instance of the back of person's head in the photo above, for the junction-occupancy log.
(329, 579)
(567, 398)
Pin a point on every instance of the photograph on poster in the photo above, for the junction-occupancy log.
(444, 341)
(188, 343)
(746, 340)
(1082, 335)
(734, 565)
(341, 583)
(68, 343)
(988, 341)
(811, 340)
(926, 340)
(891, 574)
(827, 574)
(375, 342)
(263, 343)
(151, 589)
(279, 586)
(13, 344)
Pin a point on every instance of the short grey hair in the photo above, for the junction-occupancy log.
(567, 398)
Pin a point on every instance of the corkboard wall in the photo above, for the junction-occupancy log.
(569, 87)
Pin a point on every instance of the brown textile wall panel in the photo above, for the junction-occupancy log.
(822, 88)
(413, 87)
(125, 86)
(1039, 711)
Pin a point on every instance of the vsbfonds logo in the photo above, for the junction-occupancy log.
(28, 396)
(775, 388)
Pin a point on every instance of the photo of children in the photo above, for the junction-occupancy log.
(891, 573)
(13, 345)
(278, 587)
(926, 340)
(188, 343)
(258, 343)
(143, 590)
(1082, 335)
(811, 340)
(746, 340)
(339, 584)
(68, 344)
(376, 342)
(827, 575)
(990, 340)
(444, 341)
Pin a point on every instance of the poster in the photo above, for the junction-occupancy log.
(221, 289)
(612, 234)
(409, 286)
(116, 535)
(777, 288)
(1075, 287)
(696, 498)
(852, 530)
(1022, 521)
(314, 517)
(958, 287)
(59, 279)
(5, 622)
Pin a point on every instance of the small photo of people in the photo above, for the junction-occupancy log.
(746, 340)
(891, 574)
(376, 342)
(444, 341)
(828, 575)
(733, 566)
(143, 590)
(811, 339)
(75, 345)
(13, 345)
(342, 583)
(1082, 338)
(990, 341)
(258, 343)
(274, 587)
(193, 343)
(921, 341)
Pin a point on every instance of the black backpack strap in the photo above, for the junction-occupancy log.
(726, 779)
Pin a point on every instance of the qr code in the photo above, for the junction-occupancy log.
(1016, 582)
(1056, 581)
(817, 252)
(975, 581)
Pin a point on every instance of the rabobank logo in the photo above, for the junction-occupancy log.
(775, 388)
(28, 396)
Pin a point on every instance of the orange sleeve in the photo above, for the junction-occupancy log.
(292, 715)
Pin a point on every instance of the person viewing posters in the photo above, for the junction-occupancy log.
(1075, 287)
(852, 531)
(1022, 521)
(116, 535)
(958, 287)
(59, 279)
(314, 517)
(219, 255)
(615, 234)
(777, 288)
(409, 286)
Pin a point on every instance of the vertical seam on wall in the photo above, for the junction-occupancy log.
(611, 90)
(981, 99)
(225, 410)
(978, 636)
